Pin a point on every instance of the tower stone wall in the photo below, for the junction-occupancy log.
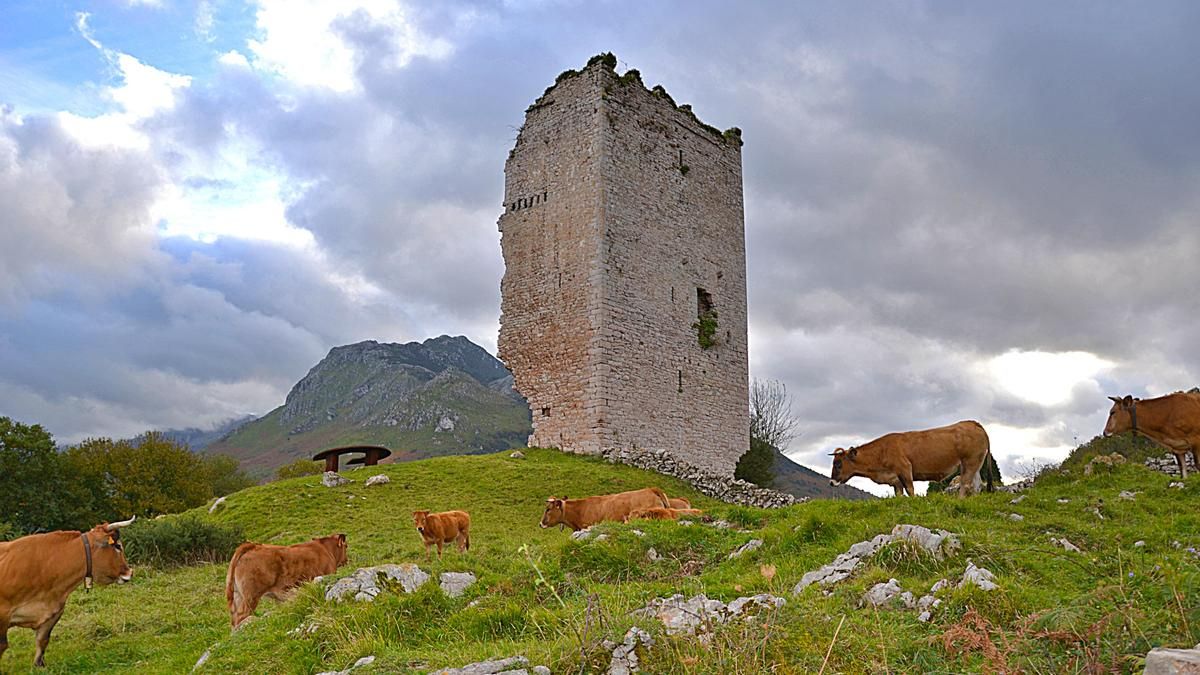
(623, 225)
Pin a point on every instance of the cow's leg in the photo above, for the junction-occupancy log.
(1181, 459)
(43, 638)
(244, 609)
(467, 540)
(897, 488)
(439, 545)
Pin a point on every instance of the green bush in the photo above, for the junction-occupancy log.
(298, 468)
(8, 532)
(184, 540)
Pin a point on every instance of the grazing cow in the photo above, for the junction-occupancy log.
(679, 503)
(580, 513)
(933, 454)
(275, 571)
(443, 528)
(39, 572)
(1172, 421)
(660, 513)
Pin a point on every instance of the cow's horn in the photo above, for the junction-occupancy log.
(1114, 399)
(116, 526)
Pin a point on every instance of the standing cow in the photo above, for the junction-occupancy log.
(275, 571)
(933, 454)
(39, 572)
(1172, 421)
(443, 528)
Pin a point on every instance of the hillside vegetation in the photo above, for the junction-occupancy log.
(552, 599)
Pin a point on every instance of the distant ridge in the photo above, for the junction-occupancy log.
(802, 481)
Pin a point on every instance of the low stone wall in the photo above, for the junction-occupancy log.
(730, 490)
(1168, 464)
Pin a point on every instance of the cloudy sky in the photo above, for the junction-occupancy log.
(953, 210)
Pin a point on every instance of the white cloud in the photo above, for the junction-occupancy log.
(300, 42)
(1045, 378)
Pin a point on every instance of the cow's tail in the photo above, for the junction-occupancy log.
(231, 591)
(987, 465)
(663, 496)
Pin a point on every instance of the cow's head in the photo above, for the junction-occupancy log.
(1120, 416)
(336, 545)
(420, 519)
(555, 508)
(843, 466)
(108, 554)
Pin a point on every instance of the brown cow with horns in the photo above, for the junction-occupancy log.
(39, 572)
(1172, 421)
(933, 454)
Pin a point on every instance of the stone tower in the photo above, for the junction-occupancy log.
(623, 312)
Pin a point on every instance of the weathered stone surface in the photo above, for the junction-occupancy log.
(1168, 465)
(624, 655)
(752, 545)
(516, 454)
(620, 366)
(1065, 543)
(582, 535)
(888, 593)
(1127, 495)
(696, 615)
(364, 661)
(454, 584)
(1162, 661)
(380, 479)
(368, 582)
(938, 543)
(514, 665)
(1016, 517)
(978, 576)
(334, 479)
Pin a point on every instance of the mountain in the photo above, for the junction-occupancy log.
(443, 396)
(198, 439)
(802, 481)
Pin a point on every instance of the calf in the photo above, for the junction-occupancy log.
(660, 513)
(275, 571)
(443, 528)
(580, 513)
(39, 572)
(933, 454)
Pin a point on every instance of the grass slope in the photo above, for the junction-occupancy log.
(551, 599)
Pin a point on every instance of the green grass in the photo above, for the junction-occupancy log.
(553, 600)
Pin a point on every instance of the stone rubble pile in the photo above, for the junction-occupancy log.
(514, 665)
(624, 655)
(697, 615)
(1168, 465)
(368, 582)
(891, 594)
(938, 543)
(334, 479)
(729, 490)
(751, 545)
(380, 479)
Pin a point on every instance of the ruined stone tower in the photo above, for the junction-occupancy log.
(623, 313)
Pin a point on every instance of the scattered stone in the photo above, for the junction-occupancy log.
(944, 583)
(684, 523)
(751, 545)
(637, 533)
(1139, 543)
(978, 576)
(652, 555)
(334, 479)
(1016, 517)
(203, 660)
(216, 505)
(724, 488)
(364, 661)
(368, 582)
(454, 583)
(1161, 661)
(1017, 500)
(939, 544)
(582, 535)
(688, 617)
(624, 655)
(924, 616)
(1176, 484)
(516, 454)
(515, 665)
(1063, 500)
(884, 593)
(1110, 461)
(723, 524)
(1127, 495)
(380, 479)
(600, 537)
(928, 602)
(305, 629)
(1066, 544)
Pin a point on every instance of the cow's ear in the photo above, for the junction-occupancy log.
(853, 453)
(1127, 401)
(341, 537)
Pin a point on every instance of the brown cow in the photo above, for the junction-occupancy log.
(679, 503)
(1172, 421)
(39, 572)
(443, 528)
(660, 513)
(275, 571)
(580, 513)
(933, 454)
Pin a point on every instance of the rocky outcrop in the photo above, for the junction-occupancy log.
(1162, 661)
(729, 490)
(514, 665)
(700, 613)
(938, 543)
(368, 582)
(625, 659)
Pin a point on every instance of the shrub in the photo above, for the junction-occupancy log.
(184, 540)
(298, 468)
(8, 532)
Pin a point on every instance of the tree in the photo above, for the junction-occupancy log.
(37, 492)
(225, 475)
(300, 467)
(772, 427)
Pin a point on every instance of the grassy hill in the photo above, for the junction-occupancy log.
(552, 599)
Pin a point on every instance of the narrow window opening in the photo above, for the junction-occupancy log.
(680, 382)
(672, 294)
(546, 411)
(704, 303)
